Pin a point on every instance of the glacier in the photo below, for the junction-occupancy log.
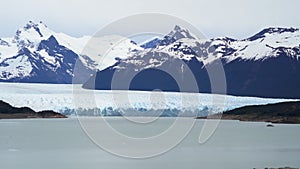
(73, 100)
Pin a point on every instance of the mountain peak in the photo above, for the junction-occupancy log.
(32, 27)
(178, 28)
(32, 24)
(35, 27)
(178, 33)
(32, 33)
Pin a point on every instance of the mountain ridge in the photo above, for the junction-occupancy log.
(250, 66)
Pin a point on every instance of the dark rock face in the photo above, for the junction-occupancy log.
(169, 77)
(273, 77)
(9, 112)
(144, 81)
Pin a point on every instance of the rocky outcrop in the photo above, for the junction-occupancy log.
(9, 112)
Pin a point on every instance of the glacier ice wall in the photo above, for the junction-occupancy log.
(67, 100)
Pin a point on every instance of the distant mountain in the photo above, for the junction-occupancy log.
(37, 54)
(264, 65)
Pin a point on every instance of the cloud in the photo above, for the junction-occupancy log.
(233, 18)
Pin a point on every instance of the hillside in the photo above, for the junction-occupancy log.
(284, 112)
(9, 112)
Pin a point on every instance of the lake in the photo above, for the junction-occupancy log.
(63, 144)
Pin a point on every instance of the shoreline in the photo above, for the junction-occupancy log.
(9, 112)
(282, 113)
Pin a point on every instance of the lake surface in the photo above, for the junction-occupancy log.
(63, 144)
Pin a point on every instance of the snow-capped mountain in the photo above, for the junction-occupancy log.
(38, 54)
(264, 65)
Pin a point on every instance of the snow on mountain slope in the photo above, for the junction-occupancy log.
(183, 45)
(103, 50)
(20, 54)
(92, 47)
(33, 33)
(6, 49)
(157, 51)
(107, 50)
(267, 43)
(20, 66)
(15, 65)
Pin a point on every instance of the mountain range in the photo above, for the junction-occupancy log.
(264, 65)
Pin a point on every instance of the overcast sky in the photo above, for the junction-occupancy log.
(233, 18)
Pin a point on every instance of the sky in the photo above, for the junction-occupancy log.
(214, 18)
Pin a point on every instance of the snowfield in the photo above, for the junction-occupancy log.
(71, 99)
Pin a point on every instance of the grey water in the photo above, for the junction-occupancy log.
(63, 144)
